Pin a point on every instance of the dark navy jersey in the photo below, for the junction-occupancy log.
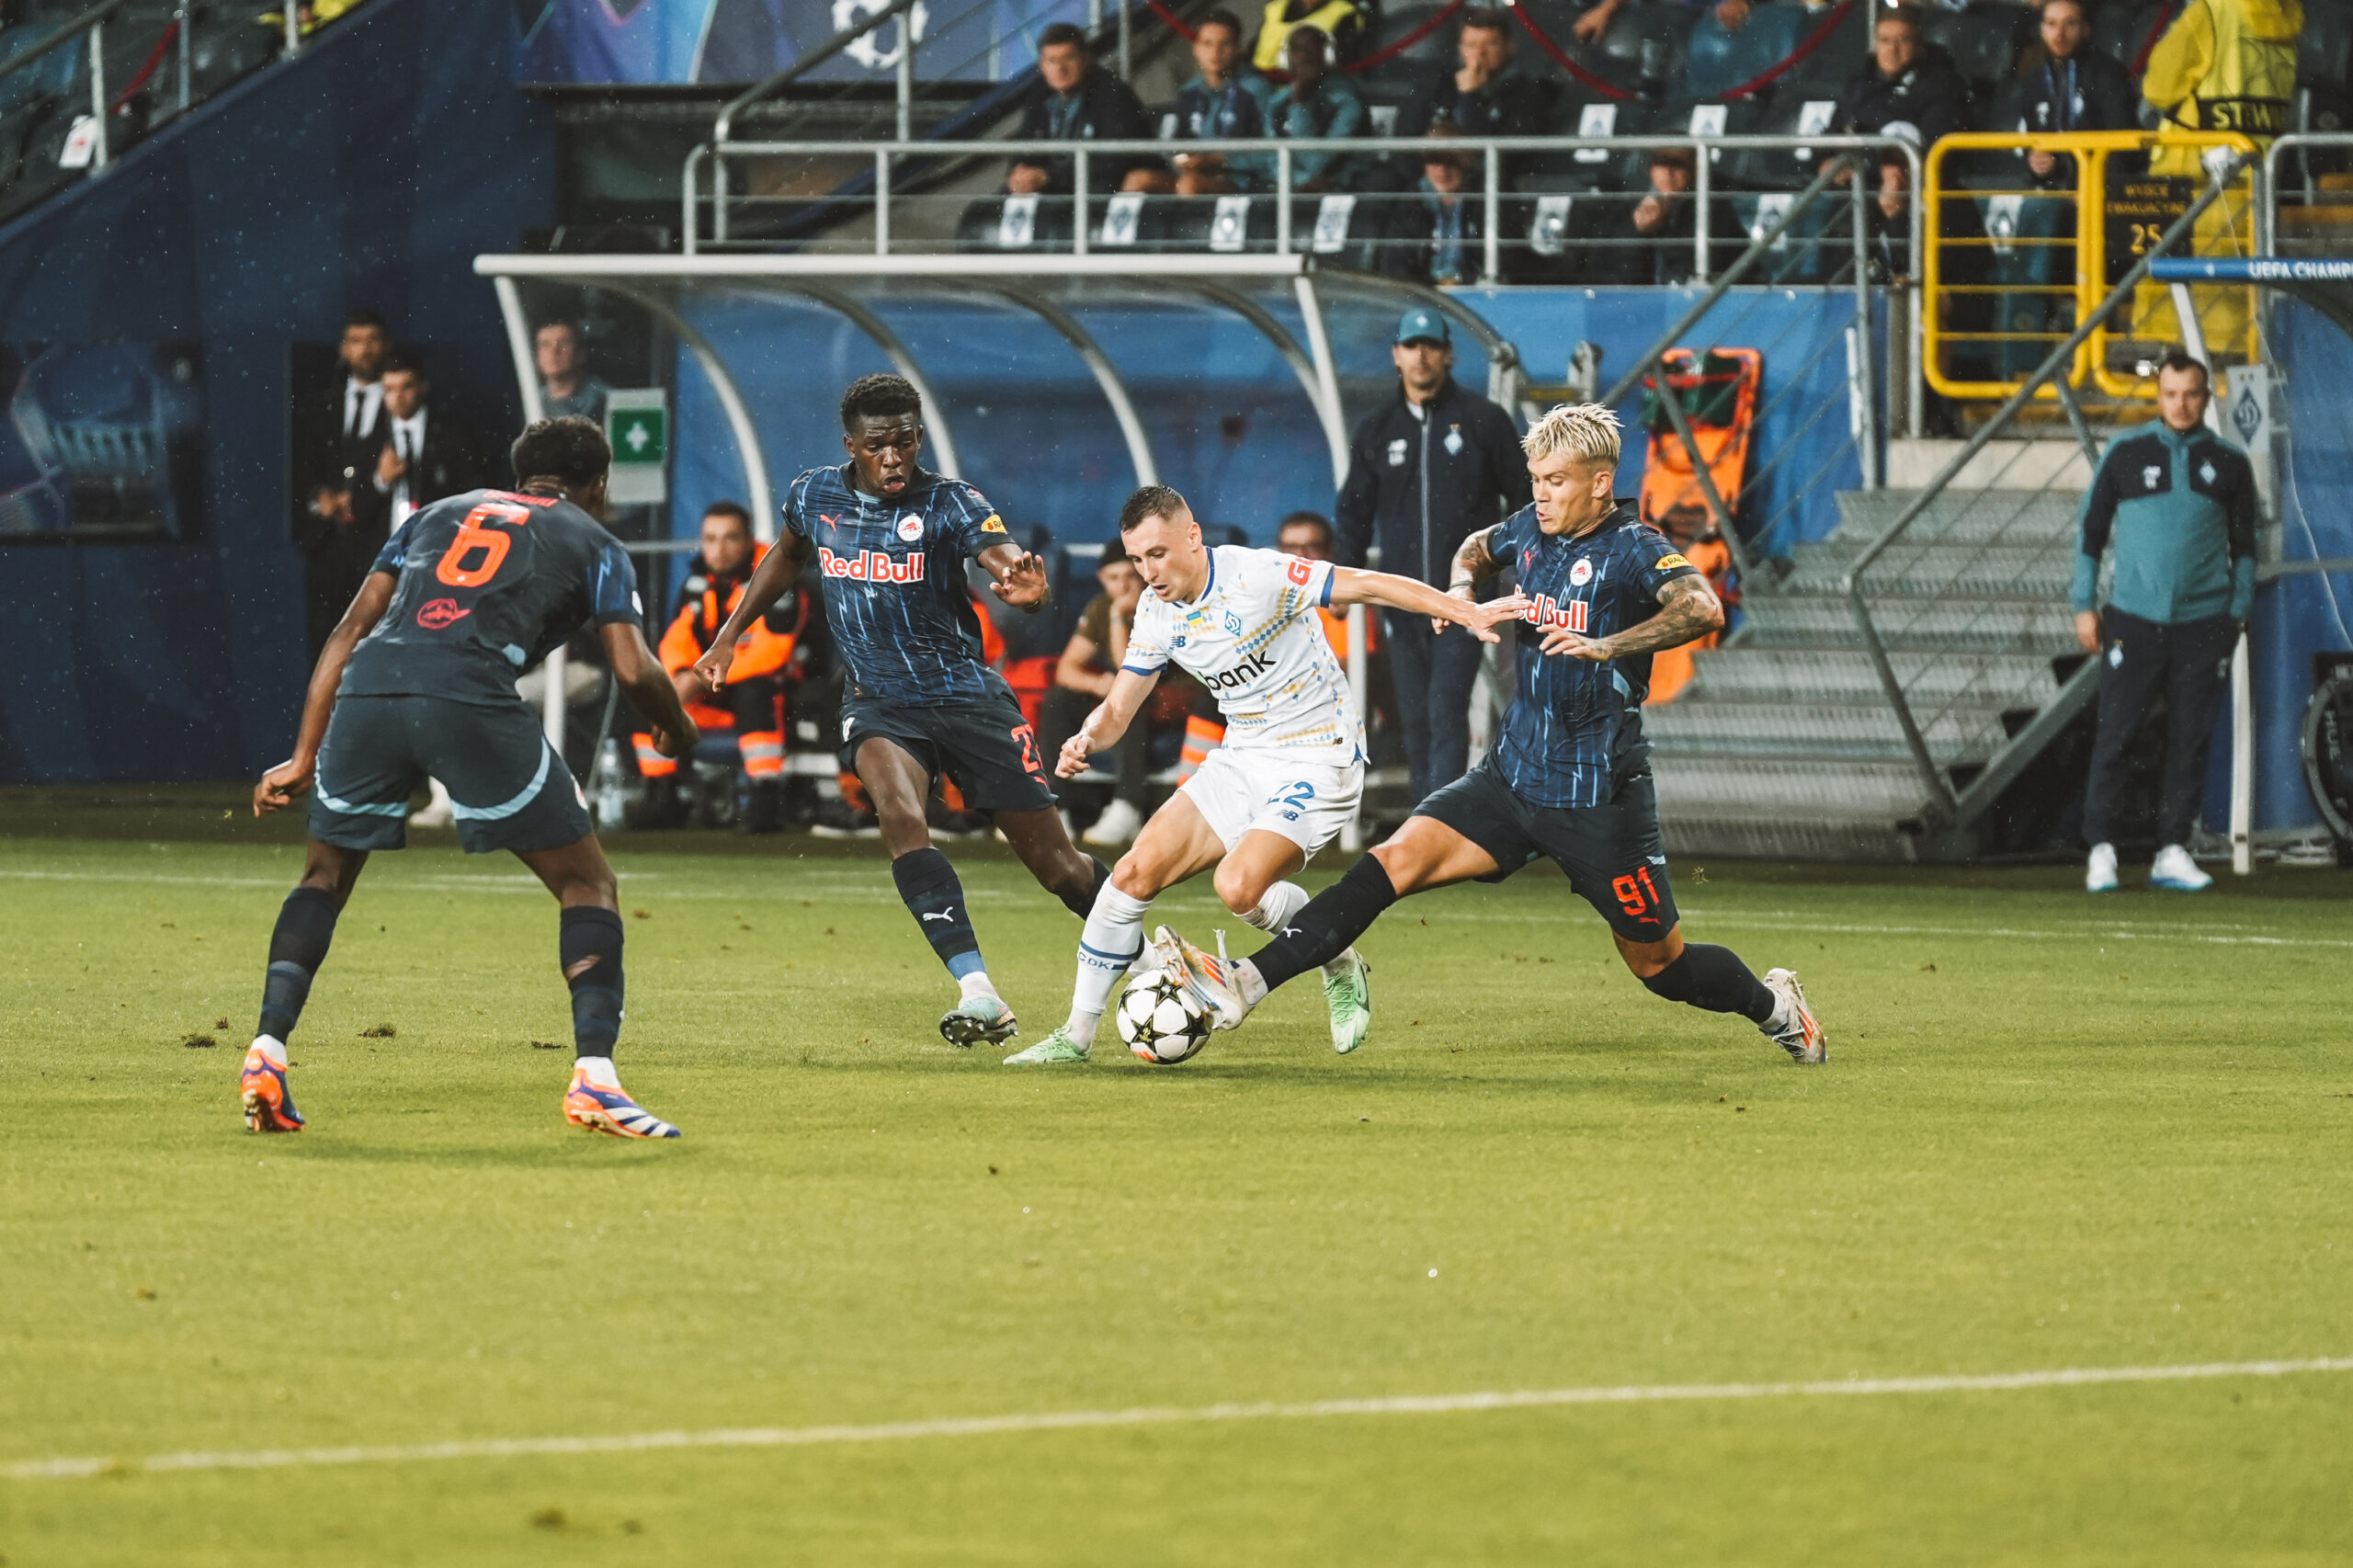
(486, 583)
(1576, 726)
(893, 577)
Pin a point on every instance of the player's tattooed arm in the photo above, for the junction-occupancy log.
(1107, 722)
(288, 779)
(778, 571)
(1475, 563)
(1688, 608)
(1016, 575)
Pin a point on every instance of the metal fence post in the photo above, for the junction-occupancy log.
(1079, 176)
(1866, 391)
(180, 25)
(906, 75)
(98, 94)
(1492, 266)
(1282, 201)
(1699, 258)
(293, 28)
(881, 201)
(1127, 39)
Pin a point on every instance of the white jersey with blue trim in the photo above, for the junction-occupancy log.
(1253, 638)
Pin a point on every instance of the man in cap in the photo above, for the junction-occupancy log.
(1434, 464)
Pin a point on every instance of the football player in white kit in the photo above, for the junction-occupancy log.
(1286, 780)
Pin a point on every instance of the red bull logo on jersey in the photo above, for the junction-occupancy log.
(870, 566)
(1547, 612)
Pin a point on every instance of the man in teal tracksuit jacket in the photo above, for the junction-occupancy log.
(2178, 508)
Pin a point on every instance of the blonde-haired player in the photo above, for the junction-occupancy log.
(1570, 777)
(1286, 780)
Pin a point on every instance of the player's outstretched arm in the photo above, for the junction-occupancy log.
(777, 570)
(1016, 575)
(1107, 722)
(290, 777)
(1351, 586)
(650, 691)
(1688, 608)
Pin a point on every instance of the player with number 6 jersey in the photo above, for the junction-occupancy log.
(417, 681)
(889, 540)
(1570, 780)
(1287, 778)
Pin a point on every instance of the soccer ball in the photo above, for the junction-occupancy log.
(1160, 1020)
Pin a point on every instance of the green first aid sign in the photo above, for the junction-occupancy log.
(637, 421)
(639, 434)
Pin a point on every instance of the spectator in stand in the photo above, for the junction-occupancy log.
(1667, 221)
(337, 445)
(1077, 100)
(1908, 91)
(2073, 87)
(1436, 464)
(1484, 95)
(1440, 237)
(1340, 21)
(2177, 506)
(1317, 106)
(1225, 99)
(566, 387)
(1083, 678)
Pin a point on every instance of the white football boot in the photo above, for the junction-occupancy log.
(2100, 871)
(1801, 1032)
(2175, 872)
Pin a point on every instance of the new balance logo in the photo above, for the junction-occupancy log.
(1241, 675)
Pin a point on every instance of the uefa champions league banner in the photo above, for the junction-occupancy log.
(745, 40)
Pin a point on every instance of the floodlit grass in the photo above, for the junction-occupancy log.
(2053, 1133)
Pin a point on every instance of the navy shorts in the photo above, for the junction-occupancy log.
(1614, 857)
(508, 788)
(982, 742)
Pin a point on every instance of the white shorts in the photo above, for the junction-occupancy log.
(1239, 791)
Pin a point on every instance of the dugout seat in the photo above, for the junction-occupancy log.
(1017, 223)
(1715, 60)
(1983, 43)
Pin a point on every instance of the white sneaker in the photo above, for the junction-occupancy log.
(2175, 872)
(436, 812)
(1119, 824)
(1801, 1032)
(2100, 871)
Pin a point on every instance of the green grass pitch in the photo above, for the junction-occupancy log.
(2053, 1133)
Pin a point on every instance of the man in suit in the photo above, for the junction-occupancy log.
(332, 443)
(1077, 100)
(424, 454)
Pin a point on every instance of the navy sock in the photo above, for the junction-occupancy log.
(297, 948)
(928, 884)
(589, 940)
(1333, 920)
(1716, 980)
(1085, 906)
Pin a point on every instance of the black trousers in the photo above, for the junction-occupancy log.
(1129, 760)
(2189, 666)
(1434, 673)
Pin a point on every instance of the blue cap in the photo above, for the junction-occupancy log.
(1421, 321)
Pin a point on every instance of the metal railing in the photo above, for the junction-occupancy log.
(106, 87)
(1984, 660)
(880, 204)
(2043, 255)
(2303, 144)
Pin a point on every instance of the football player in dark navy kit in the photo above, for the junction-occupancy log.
(1570, 778)
(890, 540)
(419, 681)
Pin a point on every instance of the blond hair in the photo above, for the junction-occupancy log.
(1586, 431)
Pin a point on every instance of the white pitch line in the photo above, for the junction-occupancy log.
(1066, 1420)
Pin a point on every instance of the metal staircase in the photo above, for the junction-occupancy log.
(1785, 743)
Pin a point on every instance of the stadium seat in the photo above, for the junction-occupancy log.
(2127, 27)
(2323, 54)
(1436, 50)
(1717, 61)
(1017, 223)
(1835, 61)
(1645, 45)
(1791, 113)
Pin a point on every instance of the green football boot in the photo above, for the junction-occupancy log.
(1350, 996)
(979, 1020)
(1056, 1047)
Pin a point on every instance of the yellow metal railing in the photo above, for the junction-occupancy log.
(2042, 256)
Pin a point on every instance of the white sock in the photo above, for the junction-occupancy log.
(271, 1047)
(600, 1070)
(977, 984)
(1113, 937)
(1276, 910)
(1246, 980)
